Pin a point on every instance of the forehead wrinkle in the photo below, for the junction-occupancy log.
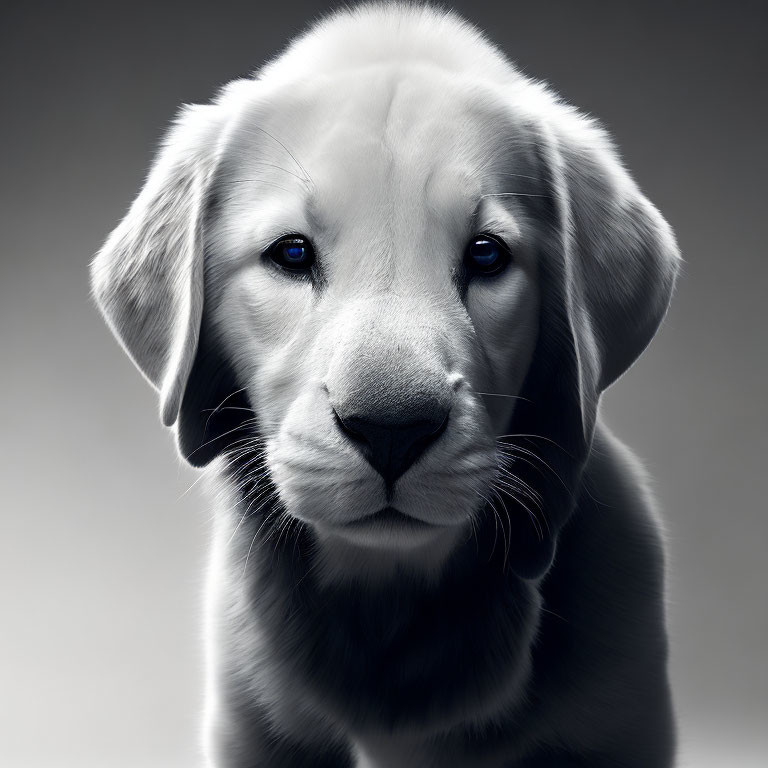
(387, 129)
(314, 216)
(449, 196)
(370, 157)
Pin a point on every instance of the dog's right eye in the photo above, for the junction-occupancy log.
(293, 253)
(486, 255)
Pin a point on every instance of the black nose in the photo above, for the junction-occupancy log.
(393, 446)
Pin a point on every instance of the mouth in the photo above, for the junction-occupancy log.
(389, 518)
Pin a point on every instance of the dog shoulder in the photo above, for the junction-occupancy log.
(610, 566)
(602, 638)
(616, 480)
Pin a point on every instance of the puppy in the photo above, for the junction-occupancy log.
(380, 287)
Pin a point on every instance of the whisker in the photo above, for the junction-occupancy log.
(520, 176)
(244, 425)
(194, 483)
(498, 394)
(552, 613)
(516, 485)
(291, 155)
(534, 437)
(228, 408)
(260, 181)
(504, 448)
(507, 534)
(489, 505)
(533, 517)
(231, 394)
(253, 540)
(511, 194)
(278, 167)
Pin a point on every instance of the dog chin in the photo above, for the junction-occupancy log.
(383, 546)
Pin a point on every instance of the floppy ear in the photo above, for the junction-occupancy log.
(148, 277)
(621, 256)
(608, 264)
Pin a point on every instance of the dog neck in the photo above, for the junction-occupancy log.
(403, 647)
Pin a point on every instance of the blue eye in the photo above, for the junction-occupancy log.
(486, 255)
(293, 253)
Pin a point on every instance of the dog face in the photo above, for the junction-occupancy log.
(389, 261)
(413, 289)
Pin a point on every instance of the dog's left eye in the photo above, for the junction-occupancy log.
(486, 255)
(293, 253)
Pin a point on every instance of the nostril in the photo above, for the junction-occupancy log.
(346, 426)
(391, 447)
(437, 426)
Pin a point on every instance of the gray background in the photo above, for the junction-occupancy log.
(102, 556)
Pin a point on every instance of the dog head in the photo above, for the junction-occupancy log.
(400, 273)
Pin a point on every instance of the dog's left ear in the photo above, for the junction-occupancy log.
(620, 255)
(607, 269)
(148, 277)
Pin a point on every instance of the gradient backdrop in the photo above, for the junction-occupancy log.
(101, 554)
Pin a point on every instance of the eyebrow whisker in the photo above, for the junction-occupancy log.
(510, 194)
(308, 178)
(280, 168)
(521, 176)
(499, 394)
(257, 181)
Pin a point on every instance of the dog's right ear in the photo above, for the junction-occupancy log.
(148, 277)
